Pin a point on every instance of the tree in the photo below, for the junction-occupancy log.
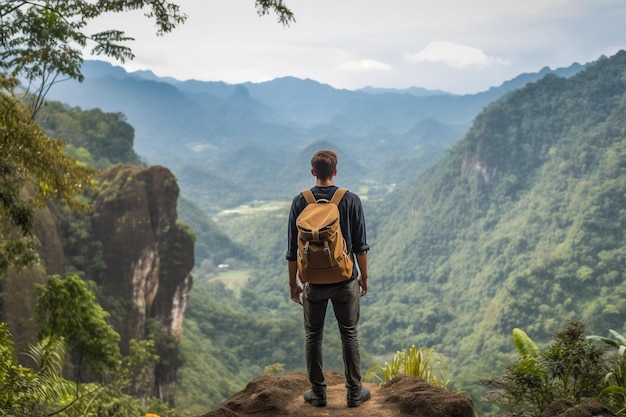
(33, 169)
(41, 40)
(68, 308)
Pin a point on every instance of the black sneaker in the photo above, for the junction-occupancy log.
(318, 400)
(360, 398)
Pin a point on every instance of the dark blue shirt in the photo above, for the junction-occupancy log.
(351, 220)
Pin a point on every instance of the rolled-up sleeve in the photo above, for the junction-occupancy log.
(292, 230)
(358, 229)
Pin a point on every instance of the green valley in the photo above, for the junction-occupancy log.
(511, 216)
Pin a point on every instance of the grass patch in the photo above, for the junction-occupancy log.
(234, 279)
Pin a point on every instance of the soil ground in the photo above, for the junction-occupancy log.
(271, 396)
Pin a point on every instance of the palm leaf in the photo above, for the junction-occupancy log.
(605, 340)
(621, 339)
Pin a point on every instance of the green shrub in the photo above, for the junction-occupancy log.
(421, 363)
(614, 393)
(571, 368)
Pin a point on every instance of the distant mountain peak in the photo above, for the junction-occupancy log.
(240, 93)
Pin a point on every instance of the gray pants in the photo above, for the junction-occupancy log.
(345, 300)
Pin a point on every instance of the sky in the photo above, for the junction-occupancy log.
(458, 46)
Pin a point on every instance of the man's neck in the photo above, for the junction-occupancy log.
(325, 183)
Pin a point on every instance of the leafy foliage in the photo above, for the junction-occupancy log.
(42, 40)
(285, 15)
(41, 390)
(66, 307)
(571, 368)
(32, 391)
(93, 137)
(614, 393)
(524, 344)
(31, 161)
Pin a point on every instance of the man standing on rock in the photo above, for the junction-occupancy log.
(343, 292)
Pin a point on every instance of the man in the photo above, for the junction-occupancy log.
(344, 295)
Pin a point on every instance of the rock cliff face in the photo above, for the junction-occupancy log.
(148, 256)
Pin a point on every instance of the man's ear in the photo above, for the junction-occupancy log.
(313, 172)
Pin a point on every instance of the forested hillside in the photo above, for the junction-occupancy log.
(522, 224)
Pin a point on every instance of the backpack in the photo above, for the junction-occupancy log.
(322, 252)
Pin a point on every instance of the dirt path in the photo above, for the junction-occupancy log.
(337, 407)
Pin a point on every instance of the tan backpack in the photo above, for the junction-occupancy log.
(322, 253)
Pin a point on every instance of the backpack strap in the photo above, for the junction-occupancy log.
(338, 195)
(308, 196)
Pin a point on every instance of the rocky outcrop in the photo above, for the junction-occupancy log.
(148, 255)
(269, 396)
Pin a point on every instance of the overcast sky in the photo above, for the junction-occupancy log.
(460, 46)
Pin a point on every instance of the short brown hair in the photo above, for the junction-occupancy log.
(324, 163)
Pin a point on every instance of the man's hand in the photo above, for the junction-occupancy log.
(363, 284)
(295, 293)
(294, 285)
(361, 260)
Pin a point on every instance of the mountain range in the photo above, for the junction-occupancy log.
(228, 139)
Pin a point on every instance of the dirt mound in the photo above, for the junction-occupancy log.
(589, 408)
(271, 396)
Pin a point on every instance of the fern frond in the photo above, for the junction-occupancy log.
(524, 344)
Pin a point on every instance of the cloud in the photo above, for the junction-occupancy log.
(454, 55)
(363, 65)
